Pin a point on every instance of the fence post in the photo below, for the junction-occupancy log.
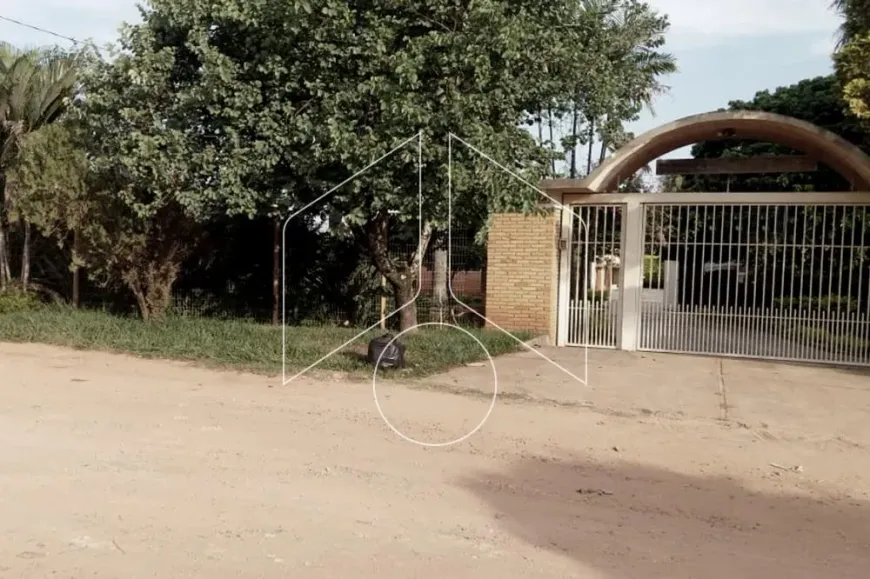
(631, 282)
(276, 270)
(76, 274)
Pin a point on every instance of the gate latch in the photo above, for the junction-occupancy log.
(563, 244)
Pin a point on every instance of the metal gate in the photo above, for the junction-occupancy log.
(595, 252)
(777, 281)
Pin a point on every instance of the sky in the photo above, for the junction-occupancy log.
(724, 50)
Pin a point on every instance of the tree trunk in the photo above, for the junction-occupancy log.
(276, 272)
(540, 128)
(483, 285)
(76, 280)
(401, 276)
(439, 283)
(603, 152)
(151, 284)
(550, 121)
(404, 293)
(573, 173)
(153, 299)
(591, 143)
(5, 269)
(25, 257)
(4, 253)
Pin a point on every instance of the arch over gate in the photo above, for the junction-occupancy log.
(839, 154)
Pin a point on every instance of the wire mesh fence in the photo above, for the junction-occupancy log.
(346, 290)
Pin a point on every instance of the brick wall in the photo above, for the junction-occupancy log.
(465, 283)
(522, 272)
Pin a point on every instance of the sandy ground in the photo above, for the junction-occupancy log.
(123, 468)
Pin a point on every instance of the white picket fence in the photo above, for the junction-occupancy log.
(593, 323)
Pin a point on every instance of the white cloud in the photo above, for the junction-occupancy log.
(748, 17)
(41, 9)
(80, 19)
(693, 22)
(704, 23)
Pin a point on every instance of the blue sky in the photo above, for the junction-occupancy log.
(725, 50)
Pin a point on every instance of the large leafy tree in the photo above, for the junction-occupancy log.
(201, 114)
(478, 69)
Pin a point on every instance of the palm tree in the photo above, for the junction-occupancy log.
(35, 88)
(856, 19)
(633, 36)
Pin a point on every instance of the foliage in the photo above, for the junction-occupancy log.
(832, 303)
(474, 69)
(325, 276)
(49, 180)
(188, 123)
(243, 345)
(856, 18)
(35, 89)
(213, 109)
(815, 100)
(853, 68)
(15, 300)
(438, 68)
(652, 272)
(852, 59)
(616, 46)
(598, 296)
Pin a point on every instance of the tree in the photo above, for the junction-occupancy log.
(853, 68)
(619, 66)
(815, 100)
(481, 69)
(856, 19)
(434, 68)
(852, 59)
(35, 88)
(143, 174)
(634, 37)
(216, 108)
(201, 114)
(49, 185)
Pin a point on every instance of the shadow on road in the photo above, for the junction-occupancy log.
(633, 521)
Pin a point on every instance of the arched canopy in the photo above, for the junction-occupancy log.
(823, 145)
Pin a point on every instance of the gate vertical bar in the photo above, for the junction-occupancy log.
(631, 274)
(566, 234)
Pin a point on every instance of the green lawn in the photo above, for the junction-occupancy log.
(244, 345)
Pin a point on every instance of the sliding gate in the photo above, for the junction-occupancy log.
(773, 276)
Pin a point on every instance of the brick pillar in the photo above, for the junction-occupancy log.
(522, 272)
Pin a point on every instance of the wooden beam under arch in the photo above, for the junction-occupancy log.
(738, 165)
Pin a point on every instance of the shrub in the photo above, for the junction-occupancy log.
(597, 297)
(15, 300)
(652, 272)
(832, 303)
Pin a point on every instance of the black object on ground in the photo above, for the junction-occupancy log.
(389, 350)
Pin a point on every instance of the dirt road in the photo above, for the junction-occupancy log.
(122, 468)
